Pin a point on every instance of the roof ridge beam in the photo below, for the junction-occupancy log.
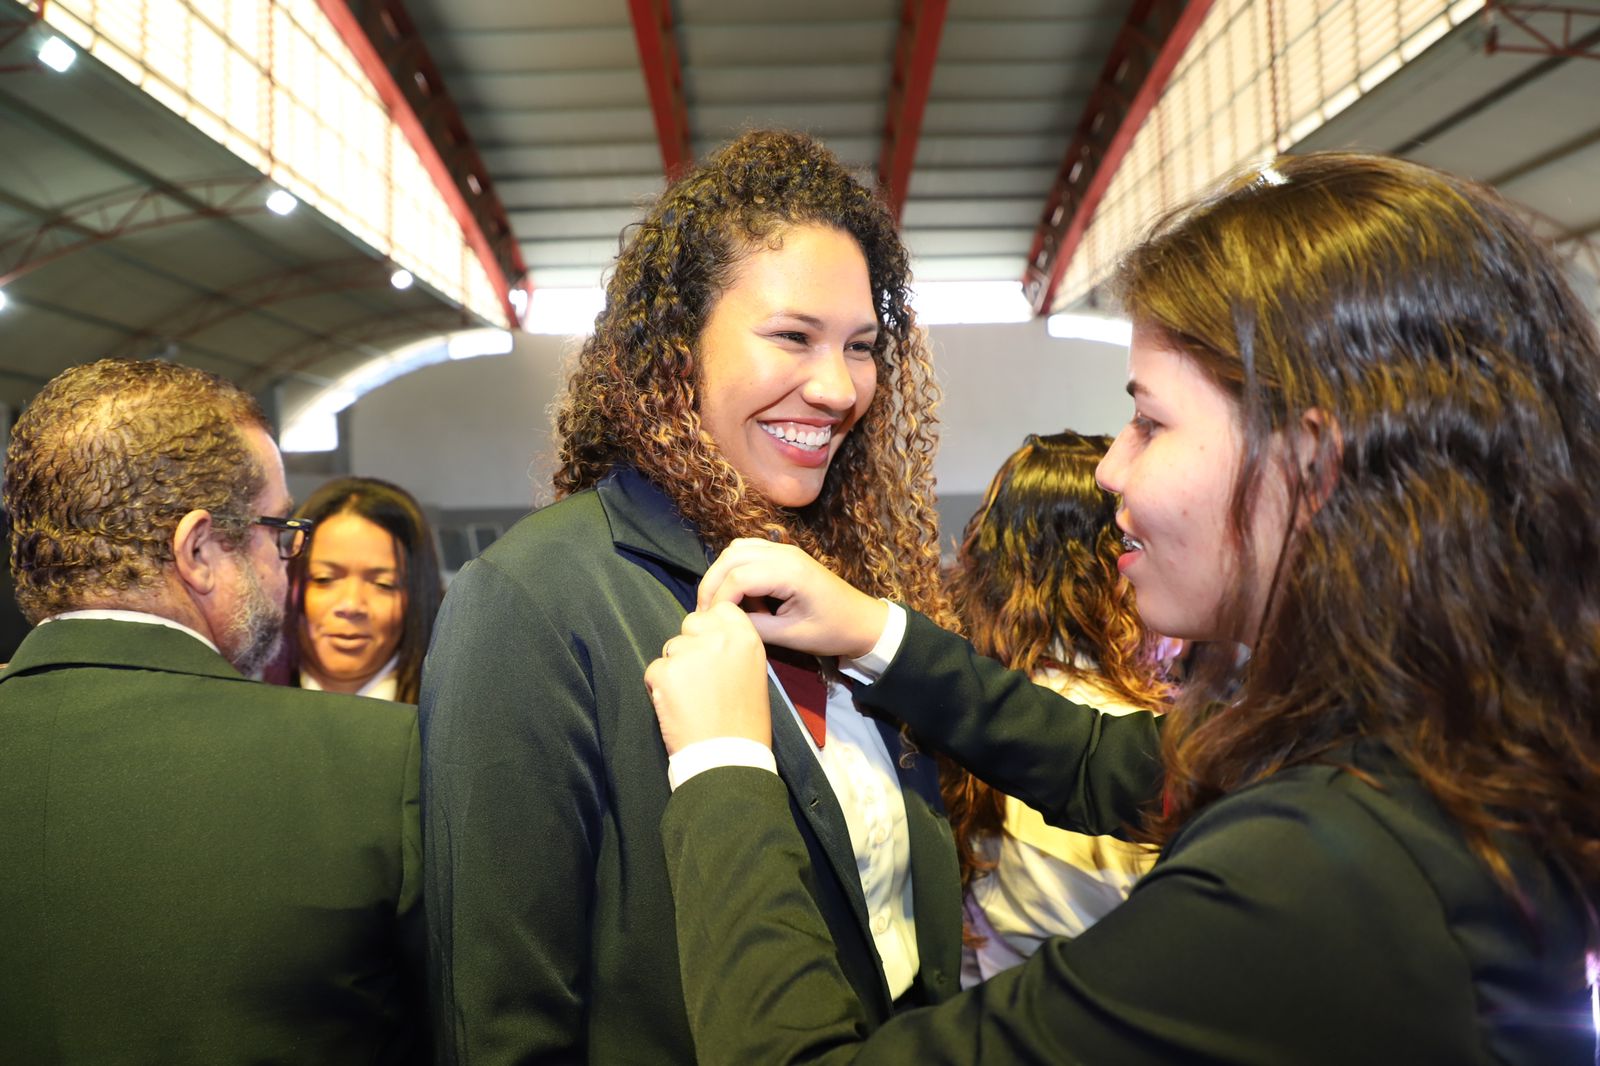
(1142, 59)
(654, 31)
(915, 53)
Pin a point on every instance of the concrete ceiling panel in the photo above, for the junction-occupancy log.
(479, 16)
(975, 241)
(512, 161)
(971, 80)
(534, 124)
(863, 119)
(714, 12)
(1039, 117)
(986, 150)
(814, 83)
(568, 253)
(976, 181)
(504, 50)
(924, 212)
(862, 39)
(524, 194)
(573, 223)
(476, 91)
(1070, 41)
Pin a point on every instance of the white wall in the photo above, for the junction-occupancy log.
(476, 433)
(466, 434)
(1003, 382)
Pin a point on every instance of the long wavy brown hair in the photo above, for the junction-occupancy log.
(1440, 592)
(1035, 584)
(632, 398)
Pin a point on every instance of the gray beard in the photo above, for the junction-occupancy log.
(255, 629)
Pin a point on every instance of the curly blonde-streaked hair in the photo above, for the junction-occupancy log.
(1036, 585)
(104, 462)
(633, 397)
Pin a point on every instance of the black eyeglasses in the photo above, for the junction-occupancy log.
(293, 534)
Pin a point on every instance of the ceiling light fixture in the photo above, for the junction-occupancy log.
(281, 203)
(1118, 331)
(401, 279)
(472, 343)
(949, 303)
(57, 54)
(563, 312)
(3, 300)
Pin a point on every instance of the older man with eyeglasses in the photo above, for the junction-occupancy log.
(197, 868)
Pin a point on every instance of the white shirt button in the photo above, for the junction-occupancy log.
(880, 923)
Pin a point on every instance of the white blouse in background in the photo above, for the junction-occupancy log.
(1047, 881)
(383, 685)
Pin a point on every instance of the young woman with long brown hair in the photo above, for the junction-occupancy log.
(756, 371)
(1366, 443)
(1036, 586)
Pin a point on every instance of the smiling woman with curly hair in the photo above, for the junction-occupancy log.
(757, 371)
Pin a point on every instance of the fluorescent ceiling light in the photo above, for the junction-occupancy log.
(401, 279)
(471, 343)
(3, 300)
(942, 303)
(281, 203)
(312, 432)
(563, 312)
(1100, 328)
(57, 54)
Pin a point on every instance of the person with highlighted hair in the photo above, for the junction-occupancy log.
(756, 371)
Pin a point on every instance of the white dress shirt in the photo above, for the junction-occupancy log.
(862, 775)
(383, 685)
(1046, 881)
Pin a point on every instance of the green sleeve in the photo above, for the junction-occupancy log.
(1083, 770)
(513, 802)
(1270, 934)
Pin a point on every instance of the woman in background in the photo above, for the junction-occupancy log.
(1036, 586)
(365, 591)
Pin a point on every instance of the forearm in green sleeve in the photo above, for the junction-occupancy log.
(1084, 770)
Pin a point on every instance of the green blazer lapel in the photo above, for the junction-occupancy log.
(808, 784)
(644, 522)
(646, 527)
(104, 642)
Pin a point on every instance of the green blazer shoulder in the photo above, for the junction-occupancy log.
(201, 868)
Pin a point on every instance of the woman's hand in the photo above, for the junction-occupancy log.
(711, 681)
(812, 609)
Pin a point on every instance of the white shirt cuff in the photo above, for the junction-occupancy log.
(705, 755)
(871, 666)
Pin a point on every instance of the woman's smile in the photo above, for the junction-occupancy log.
(787, 361)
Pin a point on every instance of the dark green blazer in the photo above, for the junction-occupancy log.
(200, 869)
(544, 780)
(1318, 917)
